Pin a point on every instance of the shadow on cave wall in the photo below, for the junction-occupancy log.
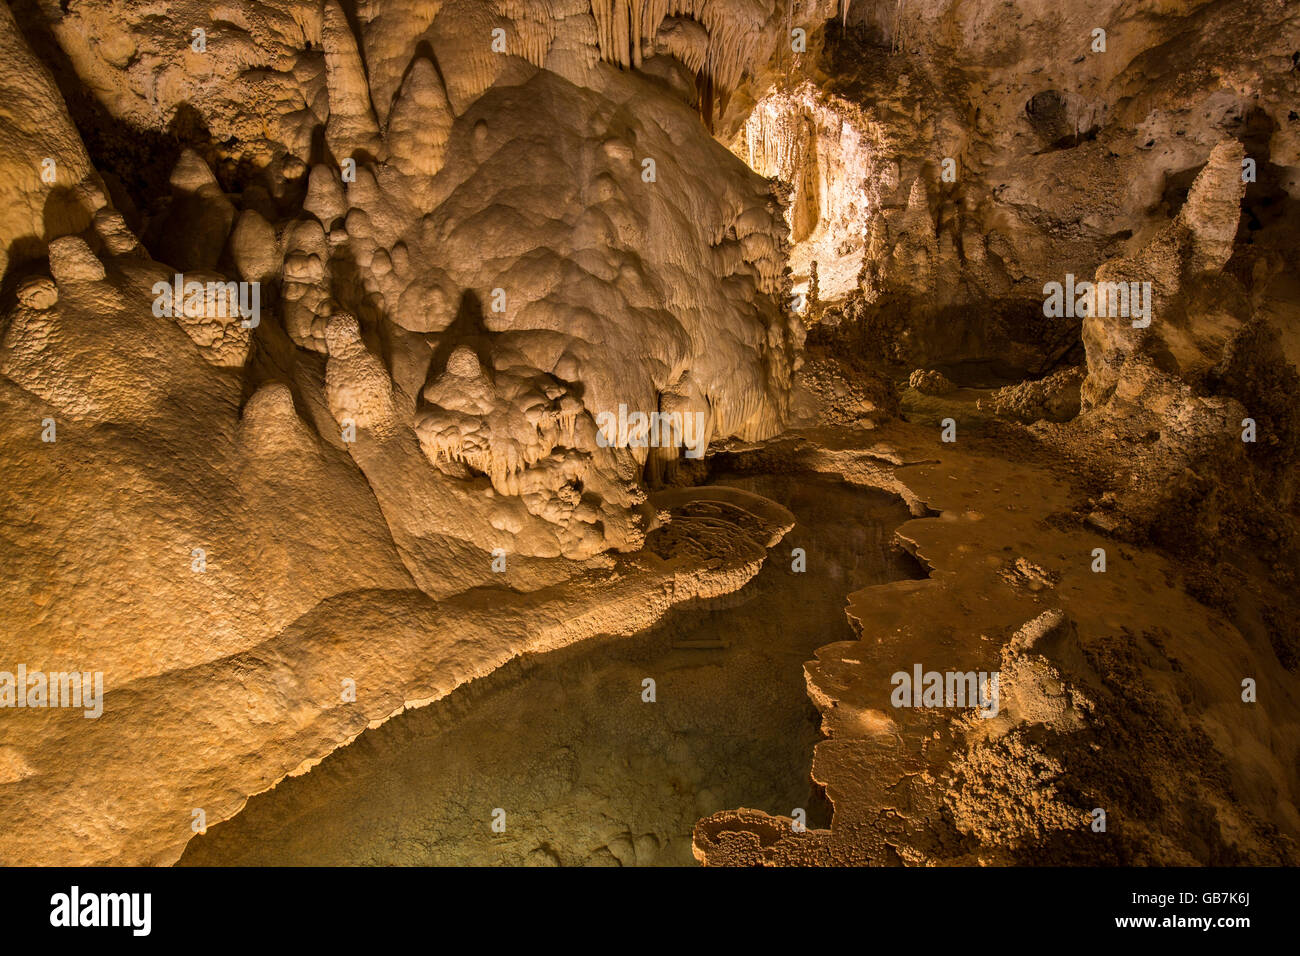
(135, 163)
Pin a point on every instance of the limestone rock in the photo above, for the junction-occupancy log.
(71, 260)
(1054, 398)
(201, 216)
(567, 214)
(254, 248)
(325, 198)
(420, 124)
(38, 292)
(930, 382)
(357, 385)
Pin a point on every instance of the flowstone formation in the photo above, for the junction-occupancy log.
(330, 316)
(467, 180)
(351, 349)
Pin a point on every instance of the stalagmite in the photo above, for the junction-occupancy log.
(351, 131)
(420, 125)
(357, 385)
(201, 215)
(351, 351)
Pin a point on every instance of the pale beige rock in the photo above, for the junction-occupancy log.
(37, 139)
(357, 385)
(420, 124)
(254, 247)
(543, 233)
(71, 260)
(325, 198)
(351, 131)
(38, 292)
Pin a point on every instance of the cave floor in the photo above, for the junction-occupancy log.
(587, 772)
(1120, 691)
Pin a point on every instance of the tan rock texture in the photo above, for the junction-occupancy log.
(439, 246)
(1118, 690)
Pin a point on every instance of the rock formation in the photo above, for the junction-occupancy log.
(349, 351)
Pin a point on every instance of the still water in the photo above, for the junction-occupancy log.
(561, 748)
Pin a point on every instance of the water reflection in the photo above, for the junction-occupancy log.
(586, 771)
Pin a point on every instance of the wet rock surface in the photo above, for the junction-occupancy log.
(587, 770)
(351, 352)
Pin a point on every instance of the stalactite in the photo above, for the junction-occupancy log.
(734, 31)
